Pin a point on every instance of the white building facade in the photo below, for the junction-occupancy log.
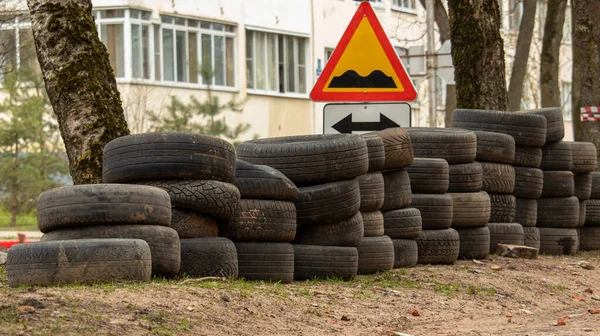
(267, 54)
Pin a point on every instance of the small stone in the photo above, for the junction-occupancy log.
(190, 308)
(495, 267)
(3, 258)
(517, 251)
(585, 265)
(26, 309)
(345, 318)
(477, 262)
(589, 290)
(225, 298)
(34, 303)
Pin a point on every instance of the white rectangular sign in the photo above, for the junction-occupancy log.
(364, 117)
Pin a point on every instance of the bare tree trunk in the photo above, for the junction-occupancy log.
(450, 103)
(80, 82)
(553, 31)
(441, 19)
(586, 67)
(517, 76)
(478, 54)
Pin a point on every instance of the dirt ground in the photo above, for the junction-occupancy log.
(525, 297)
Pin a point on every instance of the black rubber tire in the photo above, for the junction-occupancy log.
(162, 156)
(532, 237)
(78, 261)
(375, 254)
(376, 151)
(555, 127)
(327, 203)
(595, 185)
(396, 189)
(505, 233)
(397, 147)
(438, 246)
(503, 208)
(470, 209)
(402, 223)
(495, 147)
(263, 182)
(466, 177)
(526, 212)
(585, 157)
(558, 183)
(98, 204)
(558, 212)
(557, 156)
(582, 212)
(190, 224)
(208, 257)
(583, 186)
(454, 146)
(529, 182)
(372, 191)
(261, 221)
(406, 253)
(325, 262)
(527, 156)
(498, 178)
(592, 212)
(163, 241)
(346, 232)
(527, 129)
(212, 198)
(265, 261)
(373, 224)
(310, 159)
(589, 238)
(555, 241)
(474, 242)
(429, 176)
(436, 210)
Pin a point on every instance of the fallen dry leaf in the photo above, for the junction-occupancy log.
(594, 311)
(561, 322)
(589, 290)
(577, 298)
(415, 312)
(496, 267)
(26, 309)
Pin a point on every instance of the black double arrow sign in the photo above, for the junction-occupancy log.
(347, 126)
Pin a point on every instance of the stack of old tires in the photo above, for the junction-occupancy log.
(529, 133)
(329, 224)
(473, 206)
(93, 233)
(197, 172)
(400, 223)
(264, 223)
(438, 243)
(589, 234)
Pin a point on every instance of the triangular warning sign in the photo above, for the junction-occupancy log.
(364, 66)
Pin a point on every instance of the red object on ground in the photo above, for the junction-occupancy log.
(8, 244)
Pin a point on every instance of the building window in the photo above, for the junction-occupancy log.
(110, 24)
(276, 63)
(16, 43)
(140, 44)
(567, 106)
(403, 54)
(404, 4)
(195, 51)
(541, 6)
(328, 53)
(515, 14)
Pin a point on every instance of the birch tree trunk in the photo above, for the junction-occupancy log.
(478, 54)
(517, 76)
(553, 32)
(80, 82)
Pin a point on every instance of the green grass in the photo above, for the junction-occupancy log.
(24, 223)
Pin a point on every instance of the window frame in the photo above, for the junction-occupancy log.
(296, 38)
(398, 5)
(20, 22)
(199, 30)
